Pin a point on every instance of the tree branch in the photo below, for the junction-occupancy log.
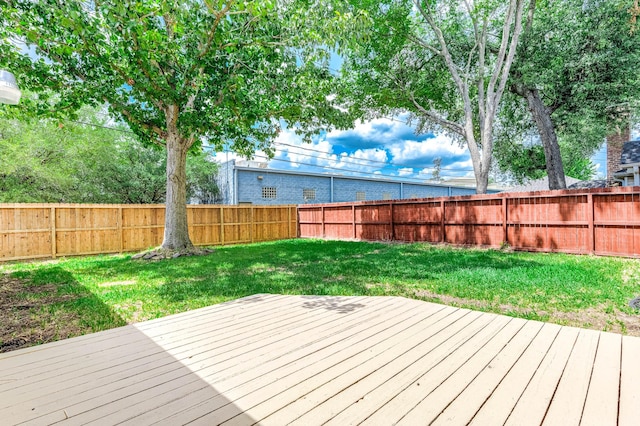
(462, 88)
(512, 52)
(431, 115)
(530, 14)
(212, 32)
(150, 127)
(482, 52)
(424, 44)
(502, 51)
(467, 131)
(473, 20)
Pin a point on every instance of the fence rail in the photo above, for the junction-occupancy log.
(597, 221)
(30, 231)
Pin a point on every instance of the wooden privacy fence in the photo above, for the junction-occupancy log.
(598, 221)
(29, 231)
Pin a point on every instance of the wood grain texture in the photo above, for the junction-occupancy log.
(307, 360)
(604, 221)
(30, 231)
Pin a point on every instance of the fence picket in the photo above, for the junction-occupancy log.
(600, 221)
(100, 228)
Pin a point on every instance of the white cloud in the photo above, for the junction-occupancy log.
(367, 130)
(438, 146)
(363, 160)
(378, 131)
(381, 146)
(374, 154)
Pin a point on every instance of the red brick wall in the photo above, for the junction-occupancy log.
(614, 150)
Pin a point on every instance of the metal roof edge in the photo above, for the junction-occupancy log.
(329, 175)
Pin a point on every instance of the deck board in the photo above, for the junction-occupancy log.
(258, 385)
(601, 406)
(629, 405)
(569, 399)
(273, 359)
(432, 404)
(324, 402)
(533, 403)
(463, 408)
(499, 405)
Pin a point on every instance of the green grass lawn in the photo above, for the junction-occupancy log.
(78, 295)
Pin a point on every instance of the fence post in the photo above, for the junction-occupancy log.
(54, 249)
(121, 228)
(591, 239)
(289, 222)
(505, 219)
(222, 225)
(251, 225)
(323, 235)
(353, 221)
(442, 224)
(393, 236)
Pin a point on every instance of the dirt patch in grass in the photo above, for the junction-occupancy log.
(599, 318)
(29, 314)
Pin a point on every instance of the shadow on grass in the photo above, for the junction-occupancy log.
(48, 304)
(314, 268)
(147, 290)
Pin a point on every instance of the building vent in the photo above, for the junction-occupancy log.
(309, 194)
(269, 192)
(360, 196)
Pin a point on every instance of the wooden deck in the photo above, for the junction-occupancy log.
(275, 360)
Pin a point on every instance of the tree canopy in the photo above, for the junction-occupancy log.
(576, 73)
(445, 61)
(90, 160)
(177, 73)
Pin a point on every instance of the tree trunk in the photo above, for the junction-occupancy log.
(176, 232)
(482, 182)
(546, 129)
(480, 171)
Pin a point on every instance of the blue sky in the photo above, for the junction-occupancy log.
(384, 147)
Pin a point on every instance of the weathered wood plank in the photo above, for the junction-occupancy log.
(432, 336)
(397, 374)
(327, 360)
(568, 402)
(280, 393)
(184, 319)
(499, 405)
(303, 355)
(430, 406)
(463, 408)
(208, 371)
(534, 401)
(37, 364)
(601, 406)
(420, 375)
(629, 411)
(348, 359)
(225, 356)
